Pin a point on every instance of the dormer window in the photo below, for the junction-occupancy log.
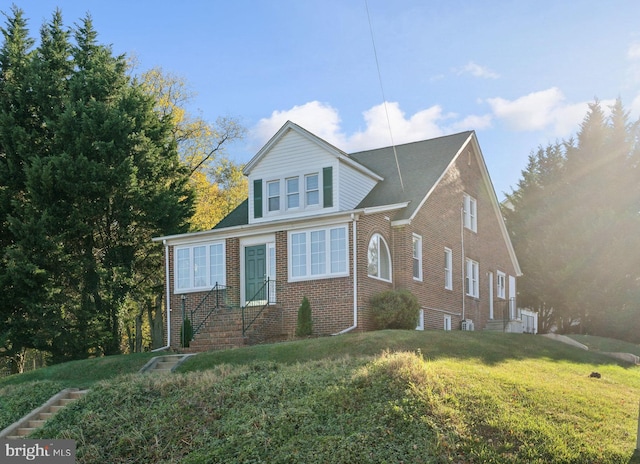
(273, 195)
(312, 192)
(293, 193)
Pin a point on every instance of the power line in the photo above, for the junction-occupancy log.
(384, 99)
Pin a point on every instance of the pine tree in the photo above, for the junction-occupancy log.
(99, 176)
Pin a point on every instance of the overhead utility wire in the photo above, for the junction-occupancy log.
(384, 99)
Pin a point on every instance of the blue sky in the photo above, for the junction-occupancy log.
(518, 72)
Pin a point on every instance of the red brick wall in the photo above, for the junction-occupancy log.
(438, 223)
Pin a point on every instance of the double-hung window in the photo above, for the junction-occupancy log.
(417, 257)
(470, 213)
(502, 279)
(448, 269)
(199, 267)
(273, 195)
(318, 253)
(293, 193)
(312, 191)
(472, 278)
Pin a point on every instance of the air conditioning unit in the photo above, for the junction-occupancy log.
(467, 324)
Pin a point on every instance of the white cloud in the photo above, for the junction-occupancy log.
(541, 110)
(319, 118)
(324, 121)
(422, 125)
(633, 53)
(478, 71)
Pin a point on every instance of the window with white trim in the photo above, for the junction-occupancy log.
(448, 269)
(199, 267)
(312, 190)
(318, 253)
(470, 213)
(447, 322)
(417, 257)
(379, 258)
(293, 193)
(472, 285)
(502, 284)
(273, 195)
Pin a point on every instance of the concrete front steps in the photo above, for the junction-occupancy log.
(495, 325)
(36, 418)
(164, 364)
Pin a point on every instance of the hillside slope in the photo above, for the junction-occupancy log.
(376, 397)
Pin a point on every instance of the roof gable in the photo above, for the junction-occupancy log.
(420, 164)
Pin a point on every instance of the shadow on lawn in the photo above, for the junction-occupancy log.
(488, 347)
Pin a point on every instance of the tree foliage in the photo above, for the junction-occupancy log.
(218, 181)
(90, 172)
(575, 224)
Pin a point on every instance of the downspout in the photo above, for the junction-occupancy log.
(168, 298)
(463, 258)
(354, 219)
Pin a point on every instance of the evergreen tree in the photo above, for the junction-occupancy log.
(100, 176)
(578, 235)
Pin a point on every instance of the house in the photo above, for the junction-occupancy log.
(339, 228)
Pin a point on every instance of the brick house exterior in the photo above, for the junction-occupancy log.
(339, 228)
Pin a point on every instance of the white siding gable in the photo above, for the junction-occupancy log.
(353, 187)
(296, 154)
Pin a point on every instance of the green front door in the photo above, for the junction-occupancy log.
(255, 271)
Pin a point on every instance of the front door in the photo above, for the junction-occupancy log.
(255, 271)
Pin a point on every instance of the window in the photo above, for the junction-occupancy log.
(470, 213)
(448, 269)
(312, 192)
(471, 280)
(318, 253)
(502, 279)
(379, 258)
(447, 322)
(273, 195)
(417, 257)
(200, 267)
(293, 193)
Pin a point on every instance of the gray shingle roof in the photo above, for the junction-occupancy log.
(421, 164)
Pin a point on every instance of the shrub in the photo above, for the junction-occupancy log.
(186, 333)
(305, 324)
(395, 309)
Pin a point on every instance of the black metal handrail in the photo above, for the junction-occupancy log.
(257, 304)
(212, 302)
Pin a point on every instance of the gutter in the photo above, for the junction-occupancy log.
(354, 219)
(168, 302)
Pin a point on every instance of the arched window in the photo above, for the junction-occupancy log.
(379, 258)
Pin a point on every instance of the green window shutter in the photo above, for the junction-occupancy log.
(257, 198)
(327, 187)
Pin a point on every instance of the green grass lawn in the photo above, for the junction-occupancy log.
(607, 344)
(389, 396)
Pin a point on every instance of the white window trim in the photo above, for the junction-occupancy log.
(502, 288)
(470, 213)
(328, 274)
(448, 269)
(379, 237)
(417, 238)
(472, 277)
(191, 287)
(283, 194)
(447, 322)
(289, 194)
(269, 197)
(307, 191)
